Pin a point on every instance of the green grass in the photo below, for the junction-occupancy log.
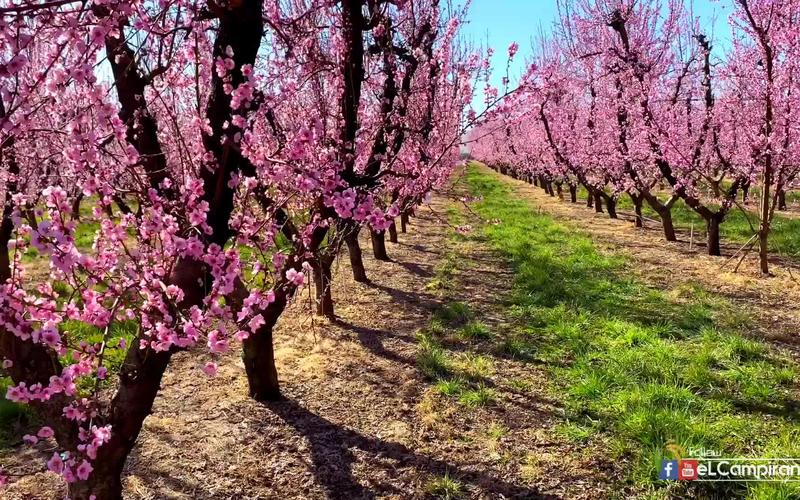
(475, 330)
(444, 488)
(480, 396)
(475, 367)
(640, 366)
(496, 431)
(460, 377)
(432, 360)
(454, 314)
(113, 357)
(451, 387)
(15, 418)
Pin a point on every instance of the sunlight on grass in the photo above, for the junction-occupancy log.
(478, 397)
(455, 314)
(639, 365)
(432, 360)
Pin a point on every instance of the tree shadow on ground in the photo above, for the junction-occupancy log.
(373, 340)
(417, 302)
(334, 452)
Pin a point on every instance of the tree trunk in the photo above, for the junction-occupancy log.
(535, 181)
(379, 245)
(611, 206)
(393, 233)
(104, 483)
(76, 207)
(403, 222)
(589, 198)
(664, 211)
(667, 225)
(258, 355)
(123, 207)
(712, 226)
(745, 192)
(763, 249)
(573, 193)
(782, 200)
(637, 209)
(598, 203)
(322, 282)
(764, 228)
(354, 251)
(140, 380)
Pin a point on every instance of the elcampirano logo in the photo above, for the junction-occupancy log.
(702, 464)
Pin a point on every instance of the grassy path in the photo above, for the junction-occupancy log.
(639, 366)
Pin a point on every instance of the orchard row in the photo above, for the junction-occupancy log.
(185, 167)
(635, 98)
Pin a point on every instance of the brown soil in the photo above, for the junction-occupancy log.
(358, 419)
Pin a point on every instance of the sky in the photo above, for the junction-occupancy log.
(500, 22)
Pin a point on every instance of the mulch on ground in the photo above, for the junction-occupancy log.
(358, 419)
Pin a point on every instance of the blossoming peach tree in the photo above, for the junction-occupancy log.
(174, 171)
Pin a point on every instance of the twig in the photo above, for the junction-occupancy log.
(736, 269)
(737, 251)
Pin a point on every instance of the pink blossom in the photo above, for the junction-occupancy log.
(256, 322)
(55, 464)
(45, 432)
(83, 470)
(298, 278)
(210, 369)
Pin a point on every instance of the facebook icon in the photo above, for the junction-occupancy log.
(669, 470)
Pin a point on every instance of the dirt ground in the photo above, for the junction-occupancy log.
(358, 419)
